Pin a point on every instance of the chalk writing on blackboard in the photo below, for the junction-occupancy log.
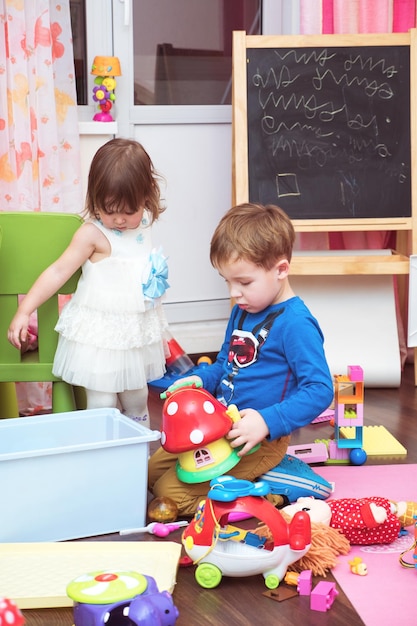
(329, 131)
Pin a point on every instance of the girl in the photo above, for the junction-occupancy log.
(110, 332)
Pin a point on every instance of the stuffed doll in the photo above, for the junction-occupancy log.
(363, 521)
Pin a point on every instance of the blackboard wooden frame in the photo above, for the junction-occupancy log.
(404, 225)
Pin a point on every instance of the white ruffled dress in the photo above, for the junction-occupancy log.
(110, 333)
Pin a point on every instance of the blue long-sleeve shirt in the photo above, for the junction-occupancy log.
(285, 377)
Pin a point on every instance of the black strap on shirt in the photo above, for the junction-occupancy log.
(261, 330)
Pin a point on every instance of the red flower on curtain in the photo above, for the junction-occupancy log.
(49, 37)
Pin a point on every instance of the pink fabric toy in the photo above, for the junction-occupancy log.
(363, 521)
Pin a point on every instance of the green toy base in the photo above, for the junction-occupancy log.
(209, 473)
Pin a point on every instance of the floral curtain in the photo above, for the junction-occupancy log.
(39, 139)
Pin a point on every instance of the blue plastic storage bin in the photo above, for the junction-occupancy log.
(71, 475)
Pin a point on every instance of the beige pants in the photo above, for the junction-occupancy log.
(163, 479)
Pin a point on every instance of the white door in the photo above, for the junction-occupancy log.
(190, 146)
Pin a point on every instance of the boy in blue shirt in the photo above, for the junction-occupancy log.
(271, 365)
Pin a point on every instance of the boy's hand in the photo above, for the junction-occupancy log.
(188, 381)
(18, 330)
(250, 430)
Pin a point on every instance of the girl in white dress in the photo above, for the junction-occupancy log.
(111, 331)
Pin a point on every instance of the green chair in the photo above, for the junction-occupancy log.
(29, 243)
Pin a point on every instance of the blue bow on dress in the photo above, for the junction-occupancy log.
(157, 282)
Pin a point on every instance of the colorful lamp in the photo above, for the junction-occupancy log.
(105, 69)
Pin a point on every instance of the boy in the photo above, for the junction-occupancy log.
(271, 365)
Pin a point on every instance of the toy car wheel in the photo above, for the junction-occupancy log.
(272, 581)
(208, 575)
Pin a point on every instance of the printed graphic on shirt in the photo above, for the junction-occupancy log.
(244, 350)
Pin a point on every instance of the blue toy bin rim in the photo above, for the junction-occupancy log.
(61, 433)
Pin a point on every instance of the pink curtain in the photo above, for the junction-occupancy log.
(39, 139)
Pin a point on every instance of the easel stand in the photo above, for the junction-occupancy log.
(310, 135)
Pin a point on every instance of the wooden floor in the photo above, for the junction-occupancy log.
(240, 601)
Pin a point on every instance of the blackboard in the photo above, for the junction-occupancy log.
(328, 127)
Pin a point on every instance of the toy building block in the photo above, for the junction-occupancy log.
(377, 441)
(305, 582)
(310, 452)
(326, 416)
(355, 441)
(337, 454)
(348, 389)
(355, 373)
(348, 412)
(323, 596)
(349, 415)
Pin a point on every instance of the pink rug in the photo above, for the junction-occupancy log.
(386, 596)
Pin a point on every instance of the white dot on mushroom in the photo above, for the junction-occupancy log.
(208, 407)
(172, 408)
(196, 436)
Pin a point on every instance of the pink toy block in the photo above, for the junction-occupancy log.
(323, 596)
(309, 453)
(336, 453)
(341, 420)
(355, 373)
(305, 581)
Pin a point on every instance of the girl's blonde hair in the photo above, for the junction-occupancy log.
(253, 232)
(122, 178)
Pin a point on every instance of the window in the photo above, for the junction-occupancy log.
(182, 48)
(79, 41)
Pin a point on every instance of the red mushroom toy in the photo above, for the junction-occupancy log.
(10, 614)
(194, 425)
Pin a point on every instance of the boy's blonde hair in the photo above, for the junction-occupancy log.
(253, 232)
(122, 177)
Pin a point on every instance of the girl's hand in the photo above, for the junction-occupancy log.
(18, 330)
(250, 430)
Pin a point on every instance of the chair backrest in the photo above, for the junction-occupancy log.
(31, 242)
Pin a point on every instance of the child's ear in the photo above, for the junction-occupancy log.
(283, 268)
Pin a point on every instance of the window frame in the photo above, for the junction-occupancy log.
(99, 40)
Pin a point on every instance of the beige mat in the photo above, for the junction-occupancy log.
(36, 575)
